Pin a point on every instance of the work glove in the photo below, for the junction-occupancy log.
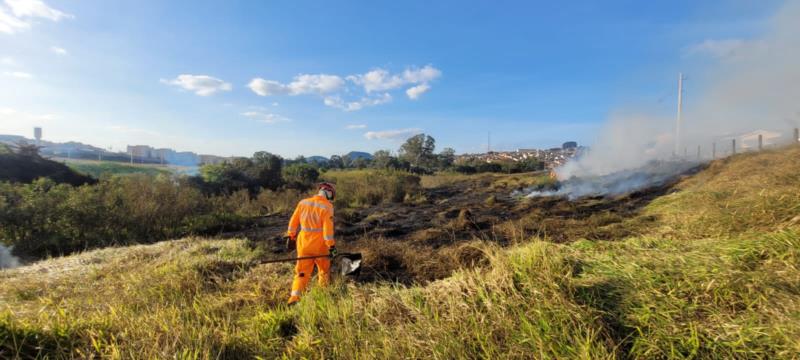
(332, 251)
(291, 243)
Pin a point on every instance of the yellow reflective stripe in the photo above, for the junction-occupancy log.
(295, 293)
(316, 204)
(311, 229)
(328, 237)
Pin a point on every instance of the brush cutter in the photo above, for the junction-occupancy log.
(345, 264)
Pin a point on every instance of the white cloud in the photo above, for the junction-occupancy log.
(267, 87)
(382, 80)
(725, 49)
(400, 134)
(301, 84)
(338, 94)
(202, 85)
(265, 117)
(58, 50)
(377, 80)
(10, 24)
(275, 103)
(15, 20)
(315, 84)
(424, 75)
(355, 126)
(36, 8)
(415, 92)
(337, 102)
(18, 74)
(7, 60)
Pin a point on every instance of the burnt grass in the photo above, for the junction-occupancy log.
(427, 240)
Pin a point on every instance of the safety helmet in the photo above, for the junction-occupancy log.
(329, 189)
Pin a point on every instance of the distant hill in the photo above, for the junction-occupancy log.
(353, 155)
(317, 159)
(26, 168)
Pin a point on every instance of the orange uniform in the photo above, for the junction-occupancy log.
(312, 225)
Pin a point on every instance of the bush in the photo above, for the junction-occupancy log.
(300, 176)
(45, 218)
(359, 188)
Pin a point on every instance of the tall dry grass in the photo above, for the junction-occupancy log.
(723, 285)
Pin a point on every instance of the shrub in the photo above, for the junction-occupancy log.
(300, 176)
(359, 188)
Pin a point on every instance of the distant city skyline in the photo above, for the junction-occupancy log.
(303, 78)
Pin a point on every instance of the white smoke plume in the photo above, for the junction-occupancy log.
(752, 88)
(7, 260)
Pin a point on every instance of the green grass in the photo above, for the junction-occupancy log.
(98, 169)
(715, 276)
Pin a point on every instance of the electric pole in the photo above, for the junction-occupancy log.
(678, 118)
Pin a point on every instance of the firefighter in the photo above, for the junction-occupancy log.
(311, 231)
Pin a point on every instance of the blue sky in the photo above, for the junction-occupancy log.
(226, 77)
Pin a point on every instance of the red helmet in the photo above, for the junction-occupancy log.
(329, 189)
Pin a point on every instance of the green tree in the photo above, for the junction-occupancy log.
(383, 159)
(336, 162)
(446, 158)
(418, 151)
(300, 175)
(266, 170)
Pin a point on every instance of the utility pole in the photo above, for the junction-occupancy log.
(680, 110)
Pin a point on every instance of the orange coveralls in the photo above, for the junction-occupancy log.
(313, 221)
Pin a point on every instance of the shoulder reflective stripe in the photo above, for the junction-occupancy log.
(295, 293)
(328, 237)
(311, 229)
(316, 204)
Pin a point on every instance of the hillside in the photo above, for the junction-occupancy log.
(26, 168)
(708, 267)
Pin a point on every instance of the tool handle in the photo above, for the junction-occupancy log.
(303, 258)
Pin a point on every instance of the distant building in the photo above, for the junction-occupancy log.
(142, 152)
(569, 145)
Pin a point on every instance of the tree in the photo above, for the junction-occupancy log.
(418, 150)
(336, 162)
(28, 150)
(383, 159)
(446, 158)
(266, 170)
(300, 175)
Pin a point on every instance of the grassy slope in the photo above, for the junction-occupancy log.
(715, 276)
(100, 168)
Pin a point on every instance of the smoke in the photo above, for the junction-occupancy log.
(752, 87)
(654, 173)
(7, 260)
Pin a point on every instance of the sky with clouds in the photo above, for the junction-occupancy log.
(322, 78)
